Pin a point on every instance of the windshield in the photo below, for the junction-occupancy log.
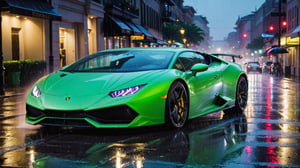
(123, 61)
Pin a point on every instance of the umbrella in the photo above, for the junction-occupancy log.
(277, 50)
(266, 51)
(274, 50)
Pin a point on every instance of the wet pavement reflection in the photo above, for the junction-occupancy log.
(266, 135)
(273, 137)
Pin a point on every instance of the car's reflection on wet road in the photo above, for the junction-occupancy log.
(206, 141)
(267, 135)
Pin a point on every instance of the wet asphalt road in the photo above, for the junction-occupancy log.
(266, 135)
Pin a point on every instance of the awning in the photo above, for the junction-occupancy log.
(33, 8)
(161, 42)
(148, 35)
(121, 24)
(178, 44)
(115, 27)
(134, 29)
(295, 32)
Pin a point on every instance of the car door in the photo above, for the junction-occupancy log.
(204, 86)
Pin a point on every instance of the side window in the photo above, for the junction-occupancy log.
(187, 59)
(207, 58)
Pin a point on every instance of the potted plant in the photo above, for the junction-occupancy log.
(12, 72)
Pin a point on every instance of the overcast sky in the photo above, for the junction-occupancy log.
(223, 14)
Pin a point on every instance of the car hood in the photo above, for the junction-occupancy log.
(81, 84)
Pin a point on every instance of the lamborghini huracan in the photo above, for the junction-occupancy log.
(135, 87)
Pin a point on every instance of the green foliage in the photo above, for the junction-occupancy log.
(171, 32)
(27, 65)
(29, 69)
(256, 44)
(193, 33)
(12, 66)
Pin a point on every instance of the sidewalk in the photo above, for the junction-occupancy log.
(293, 78)
(15, 91)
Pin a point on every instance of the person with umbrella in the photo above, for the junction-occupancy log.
(275, 50)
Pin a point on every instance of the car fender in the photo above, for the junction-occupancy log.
(230, 78)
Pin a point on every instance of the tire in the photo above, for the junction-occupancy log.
(177, 106)
(241, 96)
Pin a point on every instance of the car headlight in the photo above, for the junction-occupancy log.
(126, 91)
(36, 92)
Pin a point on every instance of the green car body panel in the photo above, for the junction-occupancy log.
(64, 91)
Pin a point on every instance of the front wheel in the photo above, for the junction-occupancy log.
(241, 96)
(177, 106)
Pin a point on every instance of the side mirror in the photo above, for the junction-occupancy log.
(198, 68)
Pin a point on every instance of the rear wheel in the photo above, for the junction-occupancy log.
(177, 106)
(241, 96)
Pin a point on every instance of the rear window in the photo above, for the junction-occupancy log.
(253, 63)
(269, 63)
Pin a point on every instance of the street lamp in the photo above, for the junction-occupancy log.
(184, 41)
(182, 31)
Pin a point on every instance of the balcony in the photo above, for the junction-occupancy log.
(168, 16)
(121, 8)
(169, 2)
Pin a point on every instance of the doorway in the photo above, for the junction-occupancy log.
(15, 43)
(66, 46)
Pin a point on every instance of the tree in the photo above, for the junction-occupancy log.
(171, 32)
(256, 44)
(193, 33)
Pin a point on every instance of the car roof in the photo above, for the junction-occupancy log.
(177, 50)
(174, 49)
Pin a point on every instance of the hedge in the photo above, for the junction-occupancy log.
(30, 70)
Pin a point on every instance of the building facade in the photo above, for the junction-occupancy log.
(268, 23)
(61, 32)
(78, 33)
(56, 32)
(291, 40)
(202, 22)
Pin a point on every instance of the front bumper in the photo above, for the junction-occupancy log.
(119, 115)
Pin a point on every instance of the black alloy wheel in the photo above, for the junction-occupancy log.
(177, 106)
(241, 96)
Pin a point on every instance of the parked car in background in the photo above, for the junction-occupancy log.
(266, 68)
(253, 67)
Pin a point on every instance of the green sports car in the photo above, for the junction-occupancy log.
(134, 87)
